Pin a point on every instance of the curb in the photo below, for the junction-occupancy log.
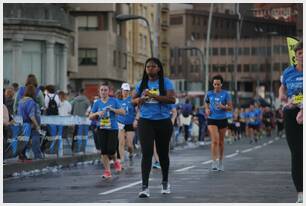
(18, 167)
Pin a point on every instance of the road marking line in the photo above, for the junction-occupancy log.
(270, 142)
(184, 169)
(120, 188)
(247, 150)
(231, 155)
(258, 147)
(207, 162)
(265, 144)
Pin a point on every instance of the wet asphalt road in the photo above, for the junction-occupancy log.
(254, 173)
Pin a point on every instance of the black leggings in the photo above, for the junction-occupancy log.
(294, 134)
(160, 131)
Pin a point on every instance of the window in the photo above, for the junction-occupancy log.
(230, 68)
(262, 68)
(88, 23)
(268, 49)
(239, 51)
(176, 20)
(239, 68)
(276, 66)
(246, 68)
(253, 51)
(230, 51)
(276, 49)
(222, 68)
(87, 56)
(215, 51)
(246, 51)
(284, 49)
(254, 68)
(222, 51)
(114, 58)
(215, 68)
(179, 69)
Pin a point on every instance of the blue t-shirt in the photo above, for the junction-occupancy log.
(28, 108)
(213, 99)
(253, 117)
(292, 79)
(109, 119)
(129, 108)
(153, 109)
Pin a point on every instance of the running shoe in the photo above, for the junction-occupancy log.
(221, 166)
(300, 198)
(214, 165)
(145, 193)
(165, 188)
(106, 174)
(156, 165)
(117, 166)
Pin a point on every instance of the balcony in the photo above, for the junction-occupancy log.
(164, 25)
(165, 8)
(49, 15)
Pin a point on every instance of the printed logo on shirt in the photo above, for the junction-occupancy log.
(153, 91)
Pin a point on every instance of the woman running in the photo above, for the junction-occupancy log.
(126, 134)
(291, 93)
(154, 96)
(217, 103)
(105, 110)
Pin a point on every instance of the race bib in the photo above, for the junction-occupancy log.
(155, 92)
(237, 124)
(105, 123)
(297, 99)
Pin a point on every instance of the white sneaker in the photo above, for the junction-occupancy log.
(145, 193)
(214, 166)
(165, 188)
(221, 167)
(300, 198)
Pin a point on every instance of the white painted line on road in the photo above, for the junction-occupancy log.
(184, 169)
(231, 155)
(265, 144)
(207, 162)
(120, 188)
(270, 142)
(258, 147)
(247, 150)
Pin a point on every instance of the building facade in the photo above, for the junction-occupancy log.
(38, 39)
(138, 38)
(261, 49)
(102, 52)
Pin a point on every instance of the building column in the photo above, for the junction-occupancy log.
(63, 71)
(17, 60)
(50, 62)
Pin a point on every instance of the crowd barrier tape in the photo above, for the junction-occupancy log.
(52, 142)
(59, 120)
(80, 138)
(20, 136)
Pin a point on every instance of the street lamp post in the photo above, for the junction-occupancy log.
(203, 65)
(127, 17)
